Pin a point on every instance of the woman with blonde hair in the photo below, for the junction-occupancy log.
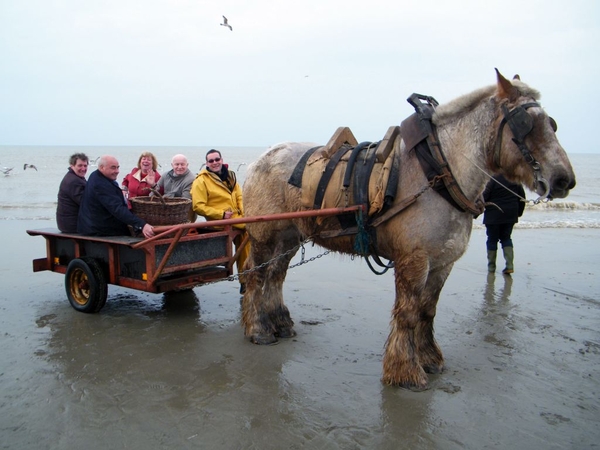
(142, 178)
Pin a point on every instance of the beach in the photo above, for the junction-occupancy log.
(154, 371)
(175, 371)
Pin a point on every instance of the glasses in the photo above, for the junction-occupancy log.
(210, 161)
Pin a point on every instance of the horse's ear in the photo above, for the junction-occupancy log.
(517, 77)
(506, 89)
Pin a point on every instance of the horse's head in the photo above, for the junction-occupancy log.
(526, 148)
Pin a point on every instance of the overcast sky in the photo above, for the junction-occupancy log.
(164, 72)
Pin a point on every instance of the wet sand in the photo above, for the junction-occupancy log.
(175, 372)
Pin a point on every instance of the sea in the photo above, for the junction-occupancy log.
(30, 193)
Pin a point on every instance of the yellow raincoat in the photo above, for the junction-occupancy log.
(211, 198)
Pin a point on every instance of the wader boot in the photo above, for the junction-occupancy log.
(491, 254)
(509, 256)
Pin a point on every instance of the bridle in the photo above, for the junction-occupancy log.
(520, 123)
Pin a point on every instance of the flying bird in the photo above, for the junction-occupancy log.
(6, 170)
(29, 166)
(226, 24)
(240, 165)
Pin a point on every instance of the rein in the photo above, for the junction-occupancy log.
(520, 123)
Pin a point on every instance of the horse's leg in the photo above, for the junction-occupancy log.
(430, 355)
(264, 315)
(279, 314)
(401, 363)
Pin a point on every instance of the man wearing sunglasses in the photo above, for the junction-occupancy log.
(217, 195)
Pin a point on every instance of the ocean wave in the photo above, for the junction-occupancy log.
(34, 218)
(565, 206)
(579, 224)
(573, 224)
(28, 206)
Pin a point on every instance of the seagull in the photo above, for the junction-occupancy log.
(225, 24)
(6, 170)
(241, 164)
(29, 166)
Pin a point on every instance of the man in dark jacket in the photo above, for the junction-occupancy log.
(499, 223)
(70, 193)
(104, 210)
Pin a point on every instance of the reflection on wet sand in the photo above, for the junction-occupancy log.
(175, 371)
(496, 312)
(490, 290)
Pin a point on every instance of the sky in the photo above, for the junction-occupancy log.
(166, 73)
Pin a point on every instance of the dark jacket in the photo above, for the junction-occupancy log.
(512, 206)
(70, 193)
(103, 210)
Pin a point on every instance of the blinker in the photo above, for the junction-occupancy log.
(553, 124)
(519, 121)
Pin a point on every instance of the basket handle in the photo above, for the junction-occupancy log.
(155, 191)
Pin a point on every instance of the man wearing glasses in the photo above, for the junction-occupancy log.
(217, 195)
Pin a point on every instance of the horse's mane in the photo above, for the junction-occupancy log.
(468, 102)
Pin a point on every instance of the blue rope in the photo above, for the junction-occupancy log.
(362, 241)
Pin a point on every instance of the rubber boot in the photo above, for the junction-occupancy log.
(491, 254)
(509, 256)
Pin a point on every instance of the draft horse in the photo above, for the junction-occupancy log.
(425, 239)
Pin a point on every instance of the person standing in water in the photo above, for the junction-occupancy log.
(499, 223)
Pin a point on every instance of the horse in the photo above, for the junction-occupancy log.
(423, 240)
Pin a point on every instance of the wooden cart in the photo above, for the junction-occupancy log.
(178, 257)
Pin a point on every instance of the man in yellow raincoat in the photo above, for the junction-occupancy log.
(216, 195)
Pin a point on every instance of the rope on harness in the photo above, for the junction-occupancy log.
(362, 243)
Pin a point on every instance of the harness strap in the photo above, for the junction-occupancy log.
(296, 176)
(447, 177)
(324, 181)
(362, 175)
(433, 161)
(352, 161)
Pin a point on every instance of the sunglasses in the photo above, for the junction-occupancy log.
(210, 161)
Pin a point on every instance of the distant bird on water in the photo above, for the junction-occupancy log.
(226, 24)
(29, 166)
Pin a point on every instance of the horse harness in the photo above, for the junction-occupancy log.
(520, 123)
(419, 133)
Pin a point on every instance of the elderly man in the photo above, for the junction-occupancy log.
(104, 210)
(177, 182)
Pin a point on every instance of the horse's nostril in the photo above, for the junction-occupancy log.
(564, 183)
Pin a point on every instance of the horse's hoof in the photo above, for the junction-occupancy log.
(413, 388)
(264, 339)
(433, 369)
(286, 333)
(416, 386)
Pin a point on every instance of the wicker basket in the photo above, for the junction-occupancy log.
(157, 210)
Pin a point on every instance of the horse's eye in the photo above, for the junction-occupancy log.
(553, 124)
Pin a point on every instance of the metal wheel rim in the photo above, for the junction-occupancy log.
(80, 287)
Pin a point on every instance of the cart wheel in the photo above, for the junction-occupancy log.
(86, 285)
